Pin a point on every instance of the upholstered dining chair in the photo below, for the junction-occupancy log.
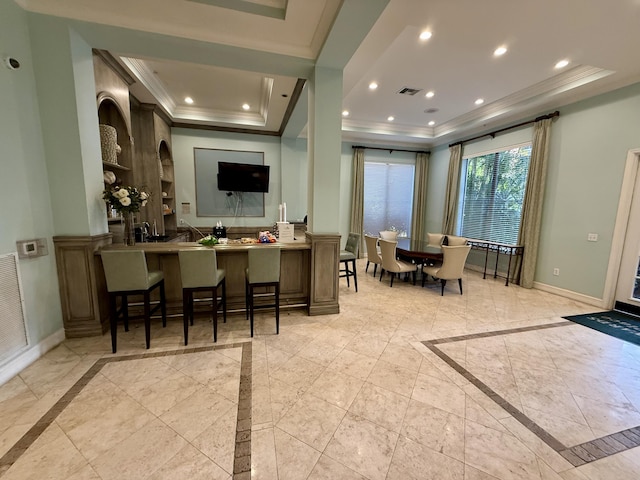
(391, 264)
(373, 253)
(348, 256)
(199, 272)
(263, 270)
(452, 268)
(435, 239)
(127, 274)
(454, 241)
(391, 235)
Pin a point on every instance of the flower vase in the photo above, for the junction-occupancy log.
(129, 237)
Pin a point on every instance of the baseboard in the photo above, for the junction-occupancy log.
(627, 308)
(578, 297)
(30, 355)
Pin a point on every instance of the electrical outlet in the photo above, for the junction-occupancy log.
(181, 221)
(592, 237)
(556, 271)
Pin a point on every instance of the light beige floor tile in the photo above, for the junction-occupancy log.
(363, 446)
(392, 377)
(218, 441)
(190, 464)
(312, 421)
(298, 372)
(295, 459)
(380, 406)
(439, 393)
(354, 364)
(336, 388)
(434, 428)
(263, 455)
(328, 469)
(140, 455)
(413, 461)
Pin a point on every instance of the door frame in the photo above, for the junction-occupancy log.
(620, 229)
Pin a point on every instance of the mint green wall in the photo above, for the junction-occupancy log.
(24, 185)
(184, 140)
(589, 145)
(294, 170)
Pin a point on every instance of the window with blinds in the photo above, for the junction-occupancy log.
(388, 196)
(492, 187)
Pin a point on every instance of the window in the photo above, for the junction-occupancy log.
(492, 187)
(388, 195)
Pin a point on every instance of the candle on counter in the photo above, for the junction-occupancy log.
(284, 212)
(280, 212)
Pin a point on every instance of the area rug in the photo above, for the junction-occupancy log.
(617, 324)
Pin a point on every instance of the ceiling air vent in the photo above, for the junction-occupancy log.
(409, 91)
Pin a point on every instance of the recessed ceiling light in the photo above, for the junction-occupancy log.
(429, 94)
(390, 118)
(431, 123)
(245, 106)
(500, 51)
(479, 101)
(426, 35)
(345, 113)
(373, 86)
(188, 100)
(562, 64)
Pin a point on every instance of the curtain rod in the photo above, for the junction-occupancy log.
(391, 150)
(495, 132)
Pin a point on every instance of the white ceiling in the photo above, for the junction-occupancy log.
(598, 37)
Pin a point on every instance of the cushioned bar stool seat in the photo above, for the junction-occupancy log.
(263, 270)
(126, 274)
(348, 256)
(199, 272)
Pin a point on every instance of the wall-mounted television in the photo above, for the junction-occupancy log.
(243, 177)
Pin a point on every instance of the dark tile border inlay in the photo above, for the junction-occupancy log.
(242, 454)
(577, 455)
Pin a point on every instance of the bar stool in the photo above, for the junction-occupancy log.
(263, 270)
(349, 256)
(199, 272)
(127, 274)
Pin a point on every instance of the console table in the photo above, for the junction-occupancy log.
(498, 249)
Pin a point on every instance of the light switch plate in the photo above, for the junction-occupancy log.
(592, 237)
(32, 248)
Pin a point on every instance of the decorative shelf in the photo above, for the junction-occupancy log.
(116, 166)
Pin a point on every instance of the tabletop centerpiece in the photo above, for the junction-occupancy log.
(126, 200)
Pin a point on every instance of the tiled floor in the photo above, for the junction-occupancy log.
(402, 384)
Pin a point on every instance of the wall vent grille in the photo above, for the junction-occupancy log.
(13, 333)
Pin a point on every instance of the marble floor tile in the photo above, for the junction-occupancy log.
(403, 383)
(363, 446)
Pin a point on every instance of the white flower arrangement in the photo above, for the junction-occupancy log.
(126, 199)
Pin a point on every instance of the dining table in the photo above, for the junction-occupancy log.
(418, 252)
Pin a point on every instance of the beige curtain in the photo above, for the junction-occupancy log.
(529, 234)
(419, 197)
(357, 197)
(451, 195)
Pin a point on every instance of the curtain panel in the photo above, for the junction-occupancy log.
(451, 194)
(420, 197)
(357, 197)
(529, 234)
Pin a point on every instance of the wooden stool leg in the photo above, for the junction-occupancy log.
(277, 308)
(147, 319)
(113, 319)
(246, 298)
(214, 307)
(355, 275)
(125, 311)
(224, 300)
(251, 307)
(185, 314)
(163, 304)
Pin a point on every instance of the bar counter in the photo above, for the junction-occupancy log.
(294, 270)
(308, 276)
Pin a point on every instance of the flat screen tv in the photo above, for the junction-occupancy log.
(243, 177)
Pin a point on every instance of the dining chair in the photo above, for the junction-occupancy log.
(199, 272)
(391, 264)
(263, 270)
(373, 253)
(452, 268)
(454, 241)
(389, 235)
(348, 256)
(127, 274)
(435, 239)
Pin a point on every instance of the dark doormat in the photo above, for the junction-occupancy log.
(617, 324)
